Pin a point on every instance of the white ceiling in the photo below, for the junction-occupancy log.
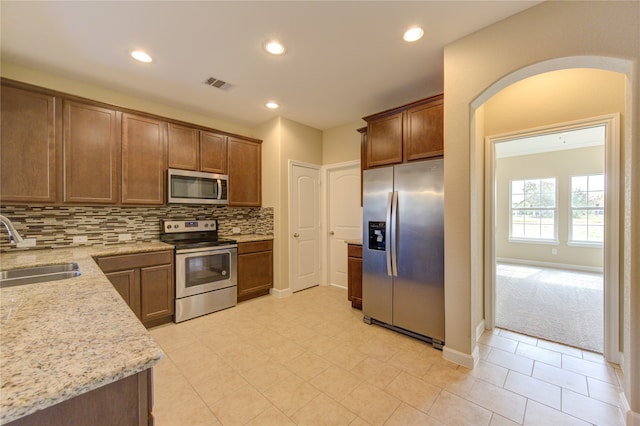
(345, 59)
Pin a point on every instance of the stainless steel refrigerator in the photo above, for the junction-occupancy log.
(403, 249)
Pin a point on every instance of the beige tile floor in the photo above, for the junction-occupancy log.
(309, 359)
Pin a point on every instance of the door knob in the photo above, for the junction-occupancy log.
(296, 235)
(332, 233)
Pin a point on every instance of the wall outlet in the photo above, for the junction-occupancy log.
(124, 237)
(79, 239)
(236, 230)
(554, 251)
(27, 242)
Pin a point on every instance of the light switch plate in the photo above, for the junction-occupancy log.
(79, 239)
(124, 237)
(236, 230)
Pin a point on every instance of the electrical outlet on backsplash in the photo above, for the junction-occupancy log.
(55, 227)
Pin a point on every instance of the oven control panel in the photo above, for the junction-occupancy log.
(172, 226)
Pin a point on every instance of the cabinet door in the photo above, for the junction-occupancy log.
(384, 140)
(354, 268)
(255, 274)
(156, 293)
(213, 153)
(91, 154)
(424, 131)
(27, 146)
(127, 284)
(245, 173)
(143, 160)
(182, 147)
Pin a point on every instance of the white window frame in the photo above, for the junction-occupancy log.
(554, 209)
(584, 243)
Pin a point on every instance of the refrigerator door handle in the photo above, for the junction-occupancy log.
(394, 234)
(387, 246)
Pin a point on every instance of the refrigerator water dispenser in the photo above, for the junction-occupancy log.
(377, 236)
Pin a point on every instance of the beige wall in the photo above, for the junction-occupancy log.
(555, 97)
(269, 132)
(341, 144)
(101, 94)
(284, 140)
(550, 36)
(561, 165)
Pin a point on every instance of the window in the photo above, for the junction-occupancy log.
(587, 209)
(533, 209)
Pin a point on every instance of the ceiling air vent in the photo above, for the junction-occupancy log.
(217, 83)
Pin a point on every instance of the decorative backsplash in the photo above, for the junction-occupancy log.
(55, 227)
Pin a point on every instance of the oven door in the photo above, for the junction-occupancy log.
(203, 270)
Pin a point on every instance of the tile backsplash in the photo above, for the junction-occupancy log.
(55, 226)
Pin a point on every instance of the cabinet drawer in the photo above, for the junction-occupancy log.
(129, 261)
(354, 250)
(255, 246)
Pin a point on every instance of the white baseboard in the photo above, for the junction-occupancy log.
(631, 417)
(338, 286)
(479, 329)
(280, 293)
(549, 264)
(465, 360)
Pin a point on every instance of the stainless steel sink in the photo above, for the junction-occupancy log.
(38, 274)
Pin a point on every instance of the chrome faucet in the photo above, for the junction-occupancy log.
(14, 236)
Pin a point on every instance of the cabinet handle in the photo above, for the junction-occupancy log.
(296, 235)
(331, 233)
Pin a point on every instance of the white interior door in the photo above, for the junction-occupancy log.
(305, 226)
(345, 219)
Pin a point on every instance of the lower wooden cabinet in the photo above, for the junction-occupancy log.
(127, 401)
(255, 269)
(354, 271)
(145, 282)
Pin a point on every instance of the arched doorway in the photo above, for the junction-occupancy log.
(612, 289)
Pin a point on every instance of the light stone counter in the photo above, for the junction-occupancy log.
(248, 238)
(60, 339)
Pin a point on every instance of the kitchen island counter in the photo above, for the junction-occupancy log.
(61, 339)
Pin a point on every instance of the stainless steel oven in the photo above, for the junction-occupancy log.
(206, 267)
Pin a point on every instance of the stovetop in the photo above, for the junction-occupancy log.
(188, 234)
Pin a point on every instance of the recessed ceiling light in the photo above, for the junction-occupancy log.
(141, 56)
(413, 34)
(272, 105)
(275, 48)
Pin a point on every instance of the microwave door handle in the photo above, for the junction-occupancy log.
(219, 189)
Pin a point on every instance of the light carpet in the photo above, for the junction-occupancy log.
(554, 304)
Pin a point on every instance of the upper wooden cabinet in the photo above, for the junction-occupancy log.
(29, 138)
(182, 147)
(198, 150)
(91, 144)
(63, 149)
(213, 153)
(143, 160)
(407, 133)
(245, 172)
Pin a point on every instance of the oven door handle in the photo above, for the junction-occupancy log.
(208, 250)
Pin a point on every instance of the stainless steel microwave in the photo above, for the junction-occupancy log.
(188, 187)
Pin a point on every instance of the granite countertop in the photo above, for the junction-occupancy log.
(247, 238)
(356, 242)
(60, 339)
